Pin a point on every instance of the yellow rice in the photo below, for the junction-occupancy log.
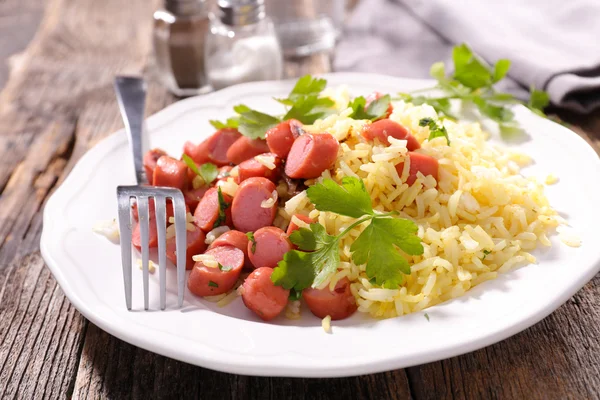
(481, 203)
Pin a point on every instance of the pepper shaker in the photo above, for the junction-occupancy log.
(241, 45)
(179, 39)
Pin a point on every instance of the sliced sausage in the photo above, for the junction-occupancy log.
(262, 296)
(207, 281)
(423, 163)
(219, 143)
(246, 211)
(270, 244)
(195, 241)
(374, 96)
(245, 148)
(253, 168)
(198, 153)
(281, 137)
(310, 155)
(236, 239)
(136, 237)
(386, 127)
(207, 212)
(339, 303)
(293, 227)
(150, 159)
(170, 172)
(193, 196)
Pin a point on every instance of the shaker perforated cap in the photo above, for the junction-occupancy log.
(241, 12)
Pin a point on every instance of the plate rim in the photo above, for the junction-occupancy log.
(118, 137)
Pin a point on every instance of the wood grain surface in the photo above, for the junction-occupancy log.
(57, 105)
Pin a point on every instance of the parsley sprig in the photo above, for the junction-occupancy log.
(472, 82)
(377, 109)
(208, 171)
(435, 130)
(303, 103)
(223, 205)
(377, 246)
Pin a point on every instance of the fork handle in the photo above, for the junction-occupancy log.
(131, 94)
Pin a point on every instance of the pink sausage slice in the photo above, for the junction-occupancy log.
(281, 137)
(236, 239)
(206, 281)
(246, 211)
(310, 155)
(195, 245)
(193, 196)
(262, 296)
(170, 172)
(150, 159)
(386, 127)
(252, 168)
(423, 163)
(339, 304)
(207, 212)
(293, 227)
(270, 244)
(245, 148)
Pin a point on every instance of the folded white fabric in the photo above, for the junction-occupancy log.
(554, 45)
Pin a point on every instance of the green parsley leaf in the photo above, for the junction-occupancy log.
(295, 294)
(254, 124)
(376, 247)
(213, 284)
(501, 69)
(208, 171)
(350, 198)
(307, 109)
(250, 237)
(374, 111)
(224, 268)
(223, 205)
(469, 69)
(438, 70)
(434, 129)
(485, 254)
(427, 317)
(307, 86)
(232, 122)
(538, 100)
(304, 238)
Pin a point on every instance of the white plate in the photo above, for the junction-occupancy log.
(233, 339)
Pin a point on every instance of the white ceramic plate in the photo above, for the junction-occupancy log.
(233, 339)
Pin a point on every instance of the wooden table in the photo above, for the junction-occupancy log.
(58, 104)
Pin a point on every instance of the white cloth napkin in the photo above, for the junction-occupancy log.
(553, 44)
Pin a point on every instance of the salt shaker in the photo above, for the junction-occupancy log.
(241, 45)
(179, 36)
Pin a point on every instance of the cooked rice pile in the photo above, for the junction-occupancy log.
(482, 218)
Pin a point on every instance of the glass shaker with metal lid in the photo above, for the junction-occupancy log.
(179, 38)
(241, 45)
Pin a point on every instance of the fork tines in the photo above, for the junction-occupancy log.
(160, 195)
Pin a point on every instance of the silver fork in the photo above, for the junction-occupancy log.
(131, 94)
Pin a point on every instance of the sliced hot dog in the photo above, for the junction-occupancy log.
(207, 212)
(236, 239)
(198, 153)
(219, 143)
(374, 96)
(281, 137)
(170, 172)
(262, 296)
(310, 155)
(386, 127)
(339, 304)
(246, 211)
(195, 245)
(270, 244)
(150, 159)
(293, 227)
(207, 281)
(193, 196)
(245, 148)
(136, 237)
(254, 168)
(423, 163)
